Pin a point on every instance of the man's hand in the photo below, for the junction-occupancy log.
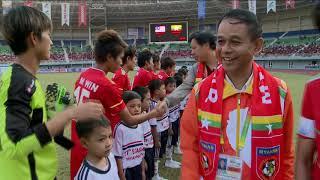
(163, 105)
(161, 109)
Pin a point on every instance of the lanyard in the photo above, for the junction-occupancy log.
(240, 141)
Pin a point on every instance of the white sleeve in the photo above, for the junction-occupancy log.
(144, 128)
(307, 128)
(118, 141)
(153, 121)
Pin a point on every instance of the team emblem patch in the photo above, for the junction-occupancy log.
(268, 162)
(207, 157)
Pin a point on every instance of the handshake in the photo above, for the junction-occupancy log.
(161, 108)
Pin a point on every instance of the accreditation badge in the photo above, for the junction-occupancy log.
(229, 167)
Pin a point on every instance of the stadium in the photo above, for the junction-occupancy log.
(291, 42)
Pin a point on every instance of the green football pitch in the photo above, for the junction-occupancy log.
(295, 82)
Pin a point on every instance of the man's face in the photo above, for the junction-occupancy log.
(199, 52)
(99, 143)
(235, 45)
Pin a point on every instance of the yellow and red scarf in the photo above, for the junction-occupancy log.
(201, 72)
(266, 112)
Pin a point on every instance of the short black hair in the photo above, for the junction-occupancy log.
(246, 17)
(183, 71)
(155, 58)
(86, 127)
(316, 15)
(143, 57)
(167, 62)
(108, 42)
(155, 85)
(19, 23)
(142, 91)
(178, 77)
(130, 51)
(203, 38)
(169, 80)
(130, 95)
(184, 67)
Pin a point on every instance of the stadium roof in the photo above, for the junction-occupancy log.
(104, 12)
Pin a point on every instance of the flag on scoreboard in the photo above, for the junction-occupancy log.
(65, 14)
(28, 3)
(201, 9)
(235, 4)
(46, 8)
(290, 4)
(271, 5)
(82, 14)
(6, 6)
(252, 6)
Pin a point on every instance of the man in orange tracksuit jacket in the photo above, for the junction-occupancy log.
(239, 121)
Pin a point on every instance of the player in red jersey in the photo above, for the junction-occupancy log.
(145, 73)
(168, 66)
(129, 61)
(156, 63)
(308, 147)
(93, 84)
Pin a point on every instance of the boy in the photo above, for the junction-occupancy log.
(174, 115)
(148, 139)
(159, 127)
(129, 141)
(184, 72)
(129, 61)
(93, 84)
(26, 134)
(168, 66)
(179, 81)
(96, 137)
(144, 74)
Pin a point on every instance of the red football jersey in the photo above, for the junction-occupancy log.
(309, 125)
(163, 75)
(93, 84)
(121, 78)
(143, 78)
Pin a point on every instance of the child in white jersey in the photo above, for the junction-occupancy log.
(96, 137)
(174, 115)
(176, 126)
(148, 169)
(128, 145)
(159, 126)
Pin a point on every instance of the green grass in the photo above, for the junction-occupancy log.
(294, 81)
